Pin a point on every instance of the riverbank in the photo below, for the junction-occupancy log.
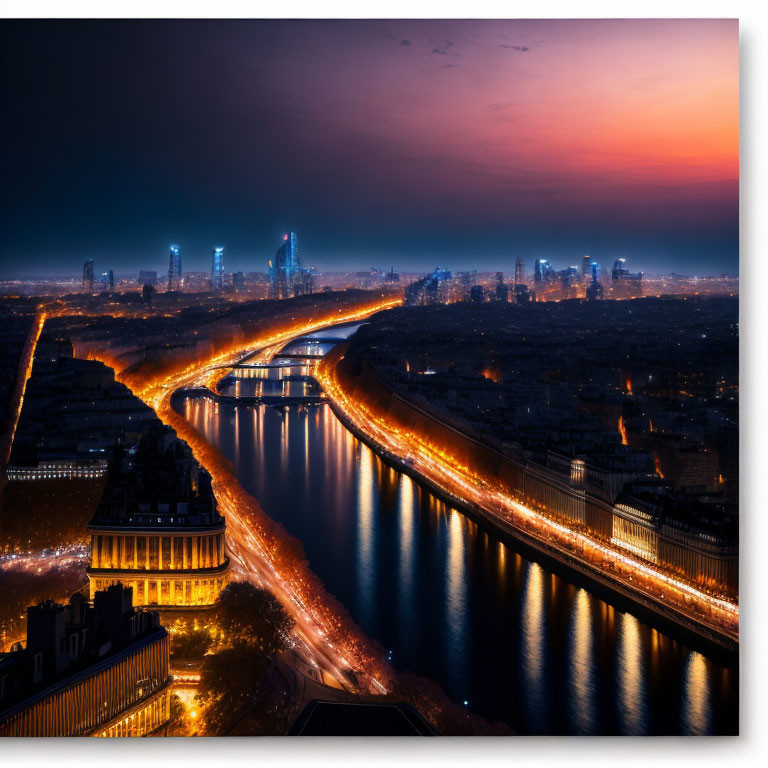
(600, 581)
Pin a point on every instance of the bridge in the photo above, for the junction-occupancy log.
(316, 340)
(255, 365)
(249, 400)
(300, 357)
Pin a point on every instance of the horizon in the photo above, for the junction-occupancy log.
(387, 142)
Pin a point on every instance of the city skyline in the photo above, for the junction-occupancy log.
(411, 143)
(371, 377)
(252, 264)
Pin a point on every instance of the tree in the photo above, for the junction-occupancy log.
(253, 627)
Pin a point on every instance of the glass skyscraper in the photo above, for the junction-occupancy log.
(174, 269)
(285, 273)
(217, 269)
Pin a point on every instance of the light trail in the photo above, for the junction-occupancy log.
(328, 640)
(29, 352)
(461, 484)
(45, 560)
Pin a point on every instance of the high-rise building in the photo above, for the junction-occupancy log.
(569, 278)
(519, 271)
(107, 280)
(88, 276)
(285, 270)
(238, 282)
(543, 272)
(174, 269)
(217, 268)
(586, 269)
(595, 290)
(625, 284)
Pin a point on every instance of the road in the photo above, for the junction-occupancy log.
(460, 483)
(315, 628)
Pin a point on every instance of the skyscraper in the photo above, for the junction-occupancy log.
(519, 271)
(285, 271)
(174, 269)
(586, 262)
(217, 269)
(569, 278)
(88, 276)
(108, 281)
(625, 284)
(543, 272)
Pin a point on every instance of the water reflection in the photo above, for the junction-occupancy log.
(630, 676)
(533, 656)
(456, 620)
(696, 696)
(582, 687)
(453, 602)
(366, 534)
(406, 555)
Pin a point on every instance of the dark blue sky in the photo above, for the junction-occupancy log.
(402, 143)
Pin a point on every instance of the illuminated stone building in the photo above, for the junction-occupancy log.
(87, 670)
(157, 528)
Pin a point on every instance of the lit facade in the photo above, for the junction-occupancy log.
(174, 269)
(100, 670)
(543, 273)
(217, 269)
(157, 528)
(164, 567)
(57, 469)
(285, 272)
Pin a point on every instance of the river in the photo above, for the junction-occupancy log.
(514, 640)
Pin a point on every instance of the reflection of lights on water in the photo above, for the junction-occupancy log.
(461, 483)
(581, 665)
(532, 658)
(696, 696)
(366, 508)
(406, 550)
(456, 589)
(630, 676)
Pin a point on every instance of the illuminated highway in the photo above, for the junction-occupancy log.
(323, 641)
(461, 485)
(46, 560)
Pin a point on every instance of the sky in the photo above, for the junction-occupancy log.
(411, 144)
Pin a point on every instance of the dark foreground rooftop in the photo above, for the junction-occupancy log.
(331, 718)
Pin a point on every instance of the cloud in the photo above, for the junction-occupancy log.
(405, 42)
(443, 50)
(520, 48)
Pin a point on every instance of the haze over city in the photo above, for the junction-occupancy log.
(405, 143)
